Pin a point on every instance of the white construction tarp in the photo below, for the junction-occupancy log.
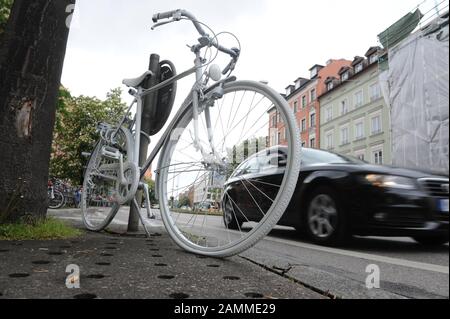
(416, 87)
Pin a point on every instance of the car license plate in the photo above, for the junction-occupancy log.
(443, 205)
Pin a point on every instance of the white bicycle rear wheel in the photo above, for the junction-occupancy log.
(252, 123)
(99, 204)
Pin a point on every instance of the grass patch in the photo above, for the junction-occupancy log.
(48, 229)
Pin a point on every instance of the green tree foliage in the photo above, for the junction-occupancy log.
(75, 131)
(5, 8)
(184, 202)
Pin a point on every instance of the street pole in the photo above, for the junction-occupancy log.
(148, 114)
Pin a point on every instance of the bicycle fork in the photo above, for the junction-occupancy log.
(213, 157)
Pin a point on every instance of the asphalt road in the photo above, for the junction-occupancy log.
(407, 269)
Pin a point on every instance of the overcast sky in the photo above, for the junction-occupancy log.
(281, 39)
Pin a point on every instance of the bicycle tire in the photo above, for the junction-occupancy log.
(284, 195)
(57, 204)
(111, 211)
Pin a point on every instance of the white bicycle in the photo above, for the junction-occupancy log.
(222, 124)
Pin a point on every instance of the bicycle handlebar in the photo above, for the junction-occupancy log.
(179, 13)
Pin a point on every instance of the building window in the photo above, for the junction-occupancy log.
(279, 138)
(330, 86)
(373, 58)
(375, 92)
(359, 130)
(273, 140)
(344, 107)
(313, 73)
(312, 143)
(329, 114)
(378, 157)
(359, 99)
(304, 101)
(274, 120)
(376, 125)
(313, 95)
(359, 67)
(344, 136)
(329, 141)
(345, 76)
(303, 127)
(313, 120)
(295, 107)
(361, 156)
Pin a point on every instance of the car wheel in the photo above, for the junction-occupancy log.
(325, 221)
(229, 216)
(432, 240)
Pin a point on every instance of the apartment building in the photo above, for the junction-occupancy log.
(303, 100)
(354, 117)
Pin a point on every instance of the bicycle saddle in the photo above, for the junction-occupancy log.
(136, 82)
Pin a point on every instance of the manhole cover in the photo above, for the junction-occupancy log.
(254, 295)
(154, 249)
(231, 278)
(161, 265)
(179, 295)
(85, 296)
(19, 275)
(213, 266)
(103, 264)
(106, 255)
(157, 256)
(4, 250)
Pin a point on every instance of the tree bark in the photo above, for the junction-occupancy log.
(32, 51)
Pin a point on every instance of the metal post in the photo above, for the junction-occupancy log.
(148, 114)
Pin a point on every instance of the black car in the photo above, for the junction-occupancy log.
(339, 196)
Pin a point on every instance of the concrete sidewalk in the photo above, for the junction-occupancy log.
(124, 267)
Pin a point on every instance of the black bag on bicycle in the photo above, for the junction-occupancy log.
(165, 99)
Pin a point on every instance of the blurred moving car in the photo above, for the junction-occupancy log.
(338, 196)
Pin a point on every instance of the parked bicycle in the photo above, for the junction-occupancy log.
(60, 194)
(55, 196)
(221, 123)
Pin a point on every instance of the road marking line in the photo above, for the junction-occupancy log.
(378, 258)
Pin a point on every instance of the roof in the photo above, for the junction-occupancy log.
(340, 84)
(316, 66)
(357, 60)
(372, 50)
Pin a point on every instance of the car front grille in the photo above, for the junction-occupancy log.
(408, 219)
(435, 187)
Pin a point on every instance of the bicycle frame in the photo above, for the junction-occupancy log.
(192, 100)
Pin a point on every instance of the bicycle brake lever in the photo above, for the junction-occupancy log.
(159, 24)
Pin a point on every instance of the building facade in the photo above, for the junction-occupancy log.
(303, 100)
(354, 116)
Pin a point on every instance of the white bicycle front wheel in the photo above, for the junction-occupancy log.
(222, 207)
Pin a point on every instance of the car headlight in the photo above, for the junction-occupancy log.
(390, 181)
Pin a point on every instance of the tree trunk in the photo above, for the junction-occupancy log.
(32, 51)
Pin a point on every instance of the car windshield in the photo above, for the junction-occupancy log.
(318, 157)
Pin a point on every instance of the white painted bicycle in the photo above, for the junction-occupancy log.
(222, 124)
